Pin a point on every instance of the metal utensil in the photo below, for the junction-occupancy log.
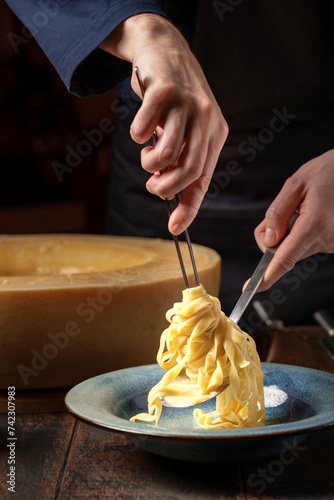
(326, 320)
(257, 276)
(252, 286)
(270, 318)
(169, 209)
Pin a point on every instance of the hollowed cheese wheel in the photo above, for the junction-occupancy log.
(75, 306)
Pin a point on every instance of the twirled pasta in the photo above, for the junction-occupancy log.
(208, 351)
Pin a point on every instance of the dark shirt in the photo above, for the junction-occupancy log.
(70, 32)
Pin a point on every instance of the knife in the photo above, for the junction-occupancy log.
(252, 286)
(326, 320)
(271, 319)
(257, 276)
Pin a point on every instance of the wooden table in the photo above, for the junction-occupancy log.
(58, 456)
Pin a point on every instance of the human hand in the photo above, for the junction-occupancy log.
(179, 105)
(310, 192)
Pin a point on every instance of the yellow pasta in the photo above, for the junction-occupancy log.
(202, 351)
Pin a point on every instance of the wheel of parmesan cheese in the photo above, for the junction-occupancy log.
(75, 306)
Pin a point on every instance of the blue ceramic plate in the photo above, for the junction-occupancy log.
(298, 400)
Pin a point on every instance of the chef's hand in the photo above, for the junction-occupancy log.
(310, 192)
(178, 103)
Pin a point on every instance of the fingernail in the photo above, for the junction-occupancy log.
(269, 237)
(176, 229)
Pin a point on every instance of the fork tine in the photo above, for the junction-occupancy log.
(178, 249)
(190, 248)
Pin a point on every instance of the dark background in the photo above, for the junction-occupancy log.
(39, 119)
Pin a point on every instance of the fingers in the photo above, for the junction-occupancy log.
(184, 139)
(188, 206)
(168, 147)
(298, 245)
(191, 133)
(310, 192)
(190, 165)
(197, 162)
(191, 171)
(259, 235)
(279, 213)
(160, 107)
(179, 102)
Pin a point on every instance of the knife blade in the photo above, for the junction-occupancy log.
(270, 318)
(252, 285)
(326, 320)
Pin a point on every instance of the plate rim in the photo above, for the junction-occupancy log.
(249, 433)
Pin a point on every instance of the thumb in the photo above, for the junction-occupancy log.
(273, 237)
(275, 228)
(279, 214)
(277, 223)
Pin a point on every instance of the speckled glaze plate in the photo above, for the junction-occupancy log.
(298, 400)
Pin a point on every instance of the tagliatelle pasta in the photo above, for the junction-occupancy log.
(202, 351)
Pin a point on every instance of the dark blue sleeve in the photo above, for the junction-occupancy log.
(69, 33)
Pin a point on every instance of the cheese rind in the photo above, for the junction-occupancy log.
(75, 306)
